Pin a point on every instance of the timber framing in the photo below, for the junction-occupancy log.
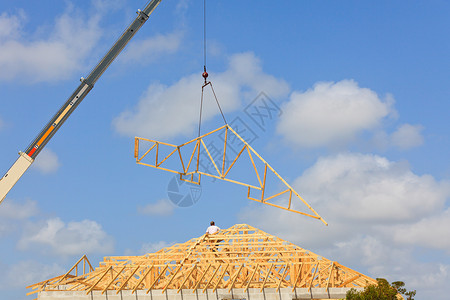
(220, 159)
(240, 257)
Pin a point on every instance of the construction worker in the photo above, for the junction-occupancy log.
(213, 229)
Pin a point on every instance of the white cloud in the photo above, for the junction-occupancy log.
(47, 162)
(25, 273)
(332, 114)
(102, 5)
(153, 247)
(432, 231)
(10, 25)
(393, 263)
(56, 52)
(161, 208)
(5, 228)
(182, 9)
(13, 214)
(152, 48)
(18, 211)
(380, 216)
(355, 193)
(371, 252)
(168, 111)
(150, 247)
(407, 136)
(62, 52)
(371, 188)
(73, 238)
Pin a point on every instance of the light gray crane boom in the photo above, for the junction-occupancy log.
(27, 157)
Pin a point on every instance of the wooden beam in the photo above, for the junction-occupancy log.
(312, 278)
(114, 278)
(173, 276)
(142, 279)
(98, 281)
(282, 277)
(201, 278)
(212, 277)
(128, 278)
(187, 277)
(235, 277)
(349, 280)
(298, 277)
(220, 277)
(329, 275)
(267, 276)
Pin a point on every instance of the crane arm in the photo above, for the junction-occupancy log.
(27, 158)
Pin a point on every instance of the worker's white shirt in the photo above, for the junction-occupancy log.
(212, 229)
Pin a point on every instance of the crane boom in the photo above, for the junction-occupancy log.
(27, 158)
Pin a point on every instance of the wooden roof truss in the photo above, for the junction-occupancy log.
(189, 168)
(238, 257)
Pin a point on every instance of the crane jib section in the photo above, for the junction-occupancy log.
(87, 84)
(27, 158)
(57, 121)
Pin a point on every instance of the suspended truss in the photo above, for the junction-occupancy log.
(238, 257)
(188, 166)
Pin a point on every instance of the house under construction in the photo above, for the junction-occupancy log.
(241, 262)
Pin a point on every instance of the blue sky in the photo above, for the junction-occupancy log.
(363, 90)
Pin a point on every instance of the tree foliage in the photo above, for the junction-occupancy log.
(382, 291)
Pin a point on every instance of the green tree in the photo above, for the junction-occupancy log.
(400, 287)
(381, 291)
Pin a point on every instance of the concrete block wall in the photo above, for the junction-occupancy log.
(219, 294)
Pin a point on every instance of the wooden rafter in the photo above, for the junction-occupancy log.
(83, 263)
(181, 160)
(238, 257)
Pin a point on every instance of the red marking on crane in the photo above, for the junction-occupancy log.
(32, 151)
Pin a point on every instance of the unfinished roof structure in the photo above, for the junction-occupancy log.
(240, 262)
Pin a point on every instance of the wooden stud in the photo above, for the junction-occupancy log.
(254, 167)
(221, 277)
(235, 277)
(329, 275)
(187, 277)
(157, 278)
(312, 278)
(142, 279)
(126, 281)
(350, 280)
(98, 281)
(210, 280)
(251, 278)
(224, 151)
(267, 276)
(173, 276)
(200, 280)
(298, 276)
(282, 277)
(210, 157)
(113, 279)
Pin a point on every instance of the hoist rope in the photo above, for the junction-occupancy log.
(205, 75)
(200, 119)
(201, 105)
(204, 35)
(217, 101)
